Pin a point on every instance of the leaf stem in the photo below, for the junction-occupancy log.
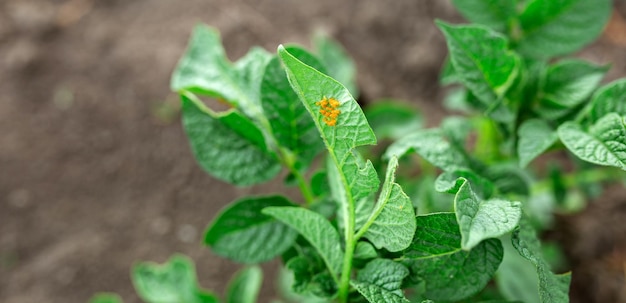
(344, 282)
(305, 189)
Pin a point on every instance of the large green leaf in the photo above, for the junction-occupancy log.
(432, 145)
(172, 282)
(552, 288)
(315, 229)
(448, 272)
(380, 281)
(535, 137)
(205, 69)
(493, 13)
(604, 143)
(227, 145)
(242, 233)
(558, 27)
(479, 220)
(482, 61)
(340, 66)
(245, 286)
(341, 134)
(392, 223)
(291, 124)
(611, 98)
(567, 84)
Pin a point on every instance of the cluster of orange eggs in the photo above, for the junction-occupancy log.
(328, 109)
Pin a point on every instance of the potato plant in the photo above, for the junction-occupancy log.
(464, 229)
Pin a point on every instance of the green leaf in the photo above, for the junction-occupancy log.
(352, 129)
(340, 66)
(432, 145)
(341, 134)
(480, 220)
(535, 137)
(558, 27)
(495, 14)
(227, 145)
(291, 125)
(448, 75)
(243, 234)
(315, 229)
(515, 279)
(448, 272)
(245, 286)
(611, 98)
(365, 250)
(552, 288)
(392, 120)
(603, 144)
(482, 61)
(204, 69)
(392, 223)
(508, 178)
(450, 182)
(567, 84)
(105, 298)
(310, 276)
(172, 282)
(380, 281)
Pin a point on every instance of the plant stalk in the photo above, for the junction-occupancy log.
(344, 282)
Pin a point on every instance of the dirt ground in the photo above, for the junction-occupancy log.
(96, 173)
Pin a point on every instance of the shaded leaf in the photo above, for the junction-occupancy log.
(227, 145)
(567, 84)
(535, 137)
(515, 279)
(291, 125)
(365, 250)
(448, 272)
(611, 98)
(552, 288)
(432, 145)
(392, 120)
(242, 233)
(558, 27)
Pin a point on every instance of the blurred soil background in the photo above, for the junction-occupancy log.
(96, 173)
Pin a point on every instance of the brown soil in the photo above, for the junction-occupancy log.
(96, 172)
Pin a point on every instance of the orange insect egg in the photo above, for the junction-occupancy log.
(328, 109)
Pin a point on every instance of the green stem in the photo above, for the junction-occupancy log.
(304, 186)
(344, 282)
